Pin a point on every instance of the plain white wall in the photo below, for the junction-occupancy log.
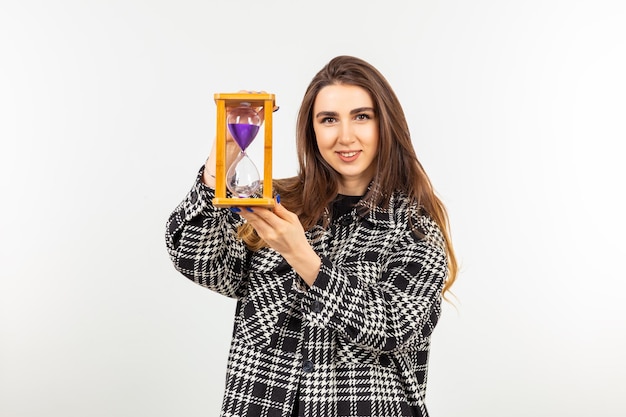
(517, 111)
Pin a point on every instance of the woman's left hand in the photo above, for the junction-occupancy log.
(283, 232)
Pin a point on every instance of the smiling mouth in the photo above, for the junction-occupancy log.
(348, 156)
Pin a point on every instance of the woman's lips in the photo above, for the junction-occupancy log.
(348, 156)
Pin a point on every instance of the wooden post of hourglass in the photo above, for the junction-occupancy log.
(223, 101)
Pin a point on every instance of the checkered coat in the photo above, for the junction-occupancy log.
(356, 343)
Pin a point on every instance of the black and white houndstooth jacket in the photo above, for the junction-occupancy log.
(354, 344)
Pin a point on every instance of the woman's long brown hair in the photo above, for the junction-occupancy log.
(398, 167)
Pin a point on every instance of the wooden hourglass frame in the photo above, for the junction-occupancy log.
(231, 100)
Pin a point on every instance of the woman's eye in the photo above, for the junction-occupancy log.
(363, 116)
(329, 120)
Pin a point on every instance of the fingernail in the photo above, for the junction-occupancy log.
(250, 209)
(276, 109)
(235, 209)
(278, 198)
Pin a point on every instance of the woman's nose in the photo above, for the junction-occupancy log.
(346, 135)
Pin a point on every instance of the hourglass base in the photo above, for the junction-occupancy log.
(243, 202)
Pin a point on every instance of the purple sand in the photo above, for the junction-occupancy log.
(243, 133)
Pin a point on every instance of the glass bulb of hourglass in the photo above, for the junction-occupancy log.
(243, 177)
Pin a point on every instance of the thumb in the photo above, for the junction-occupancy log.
(280, 210)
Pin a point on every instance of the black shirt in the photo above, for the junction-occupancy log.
(344, 204)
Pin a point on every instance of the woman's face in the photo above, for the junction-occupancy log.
(346, 130)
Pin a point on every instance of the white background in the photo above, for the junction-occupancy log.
(517, 110)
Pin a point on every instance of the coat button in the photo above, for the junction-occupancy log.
(283, 267)
(307, 366)
(384, 360)
(317, 306)
(194, 197)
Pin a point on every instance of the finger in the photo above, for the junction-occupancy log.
(245, 212)
(282, 212)
(259, 110)
(254, 216)
(264, 214)
(274, 109)
(264, 229)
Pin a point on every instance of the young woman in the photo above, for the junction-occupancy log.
(340, 286)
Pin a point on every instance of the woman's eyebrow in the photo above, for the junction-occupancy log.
(327, 114)
(362, 110)
(353, 111)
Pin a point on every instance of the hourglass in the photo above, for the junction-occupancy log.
(242, 178)
(236, 112)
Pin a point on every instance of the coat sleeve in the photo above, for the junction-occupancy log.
(201, 242)
(401, 307)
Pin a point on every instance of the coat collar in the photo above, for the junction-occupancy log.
(383, 217)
